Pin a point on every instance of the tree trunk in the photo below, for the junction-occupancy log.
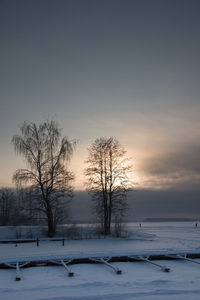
(51, 223)
(106, 223)
(106, 217)
(51, 228)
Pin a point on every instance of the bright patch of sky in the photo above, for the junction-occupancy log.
(128, 69)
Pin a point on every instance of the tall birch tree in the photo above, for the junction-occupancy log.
(47, 155)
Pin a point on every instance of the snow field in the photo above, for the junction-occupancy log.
(139, 280)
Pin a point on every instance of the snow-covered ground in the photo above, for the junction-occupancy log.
(139, 280)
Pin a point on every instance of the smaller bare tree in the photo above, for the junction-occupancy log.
(108, 180)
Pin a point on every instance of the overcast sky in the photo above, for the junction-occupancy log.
(128, 69)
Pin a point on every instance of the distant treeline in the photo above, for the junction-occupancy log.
(17, 208)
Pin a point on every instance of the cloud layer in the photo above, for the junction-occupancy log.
(179, 169)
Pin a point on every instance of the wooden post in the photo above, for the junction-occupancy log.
(18, 277)
(146, 259)
(105, 261)
(70, 273)
(117, 271)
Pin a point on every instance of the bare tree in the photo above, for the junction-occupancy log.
(47, 156)
(107, 180)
